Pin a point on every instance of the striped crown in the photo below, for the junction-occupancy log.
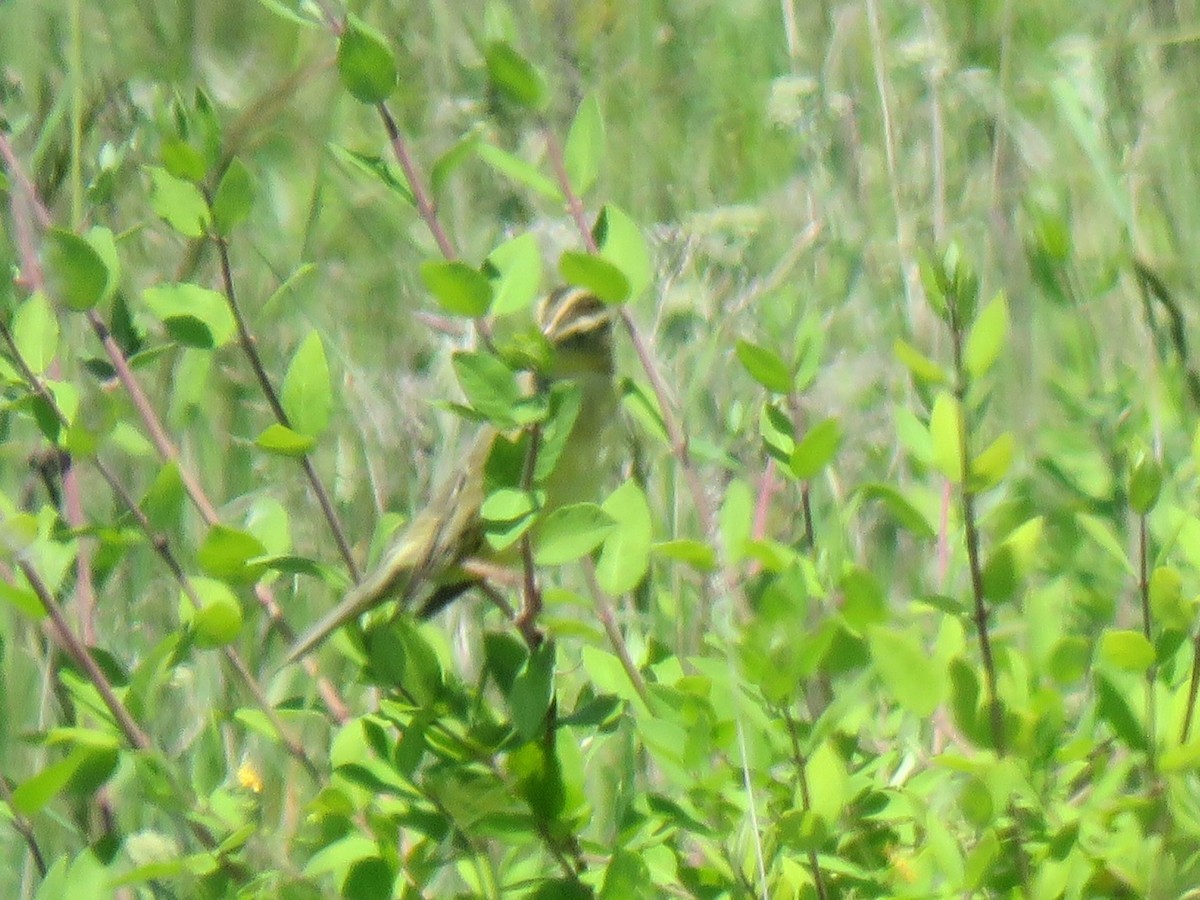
(572, 312)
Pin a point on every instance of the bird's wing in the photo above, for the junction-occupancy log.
(442, 534)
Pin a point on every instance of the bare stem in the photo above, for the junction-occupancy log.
(1147, 631)
(801, 762)
(974, 564)
(250, 349)
(23, 826)
(425, 205)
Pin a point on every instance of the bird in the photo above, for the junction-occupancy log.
(428, 554)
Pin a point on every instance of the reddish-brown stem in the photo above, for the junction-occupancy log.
(425, 205)
(250, 351)
(162, 442)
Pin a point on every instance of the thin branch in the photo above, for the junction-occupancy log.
(425, 205)
(163, 548)
(801, 762)
(23, 827)
(250, 350)
(971, 530)
(1147, 631)
(26, 196)
(133, 732)
(608, 619)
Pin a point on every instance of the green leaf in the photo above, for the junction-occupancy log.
(1128, 650)
(164, 499)
(24, 599)
(387, 174)
(508, 514)
(78, 275)
(35, 332)
(282, 441)
(917, 681)
(234, 198)
(459, 289)
(180, 203)
(519, 171)
(514, 75)
(507, 504)
(765, 367)
(814, 451)
(999, 574)
(923, 368)
(31, 796)
(901, 509)
(451, 160)
(585, 146)
(226, 553)
(193, 316)
(365, 63)
(1113, 708)
(987, 337)
(518, 264)
(368, 879)
(864, 602)
(1101, 532)
(489, 385)
(531, 693)
(286, 12)
(699, 556)
(945, 429)
(596, 274)
(571, 532)
(183, 160)
(622, 243)
(625, 555)
(627, 878)
(218, 621)
(307, 395)
(340, 855)
(810, 346)
(1069, 660)
(1166, 600)
(990, 466)
(777, 433)
(1145, 485)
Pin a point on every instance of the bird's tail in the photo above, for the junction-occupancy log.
(362, 597)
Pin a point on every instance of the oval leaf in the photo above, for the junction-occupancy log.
(585, 146)
(571, 532)
(816, 449)
(1128, 650)
(365, 63)
(622, 243)
(596, 274)
(765, 367)
(459, 289)
(625, 556)
(282, 441)
(945, 429)
(79, 276)
(234, 198)
(489, 385)
(916, 681)
(987, 336)
(307, 396)
(514, 75)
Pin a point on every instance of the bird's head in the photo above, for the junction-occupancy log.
(578, 325)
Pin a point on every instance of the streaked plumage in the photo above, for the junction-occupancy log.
(426, 555)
